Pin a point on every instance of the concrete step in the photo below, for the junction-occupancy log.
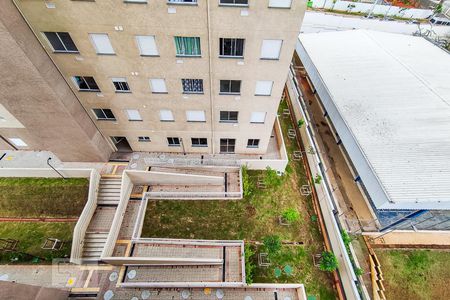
(109, 188)
(108, 202)
(93, 233)
(111, 181)
(108, 194)
(93, 245)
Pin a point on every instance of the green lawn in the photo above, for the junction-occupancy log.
(251, 219)
(32, 236)
(415, 274)
(42, 197)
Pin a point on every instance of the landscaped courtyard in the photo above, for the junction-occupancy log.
(24, 198)
(252, 219)
(415, 274)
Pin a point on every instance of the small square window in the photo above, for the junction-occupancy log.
(253, 143)
(258, 117)
(144, 139)
(158, 86)
(133, 115)
(234, 2)
(192, 86)
(147, 45)
(229, 116)
(270, 49)
(101, 43)
(18, 142)
(188, 46)
(86, 83)
(173, 141)
(231, 47)
(195, 116)
(232, 87)
(61, 42)
(121, 85)
(280, 3)
(263, 88)
(199, 142)
(166, 115)
(104, 114)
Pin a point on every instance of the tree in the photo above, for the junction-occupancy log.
(272, 244)
(328, 262)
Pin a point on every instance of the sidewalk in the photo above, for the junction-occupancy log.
(410, 239)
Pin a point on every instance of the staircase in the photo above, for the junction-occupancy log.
(109, 191)
(93, 245)
(108, 198)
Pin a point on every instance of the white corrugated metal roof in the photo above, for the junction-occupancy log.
(393, 92)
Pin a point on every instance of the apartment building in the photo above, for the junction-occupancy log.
(176, 75)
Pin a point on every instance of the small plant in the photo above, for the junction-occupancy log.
(300, 123)
(346, 238)
(290, 215)
(272, 179)
(359, 271)
(317, 179)
(272, 244)
(247, 185)
(328, 262)
(249, 265)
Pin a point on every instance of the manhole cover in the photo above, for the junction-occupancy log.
(185, 294)
(108, 295)
(219, 294)
(131, 274)
(133, 165)
(145, 294)
(113, 276)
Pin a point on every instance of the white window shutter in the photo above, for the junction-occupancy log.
(195, 116)
(166, 115)
(270, 49)
(133, 115)
(258, 117)
(101, 43)
(147, 45)
(18, 142)
(263, 88)
(280, 3)
(158, 85)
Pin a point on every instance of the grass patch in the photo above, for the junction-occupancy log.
(415, 274)
(42, 197)
(32, 236)
(251, 219)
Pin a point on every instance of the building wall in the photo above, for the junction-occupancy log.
(207, 20)
(36, 104)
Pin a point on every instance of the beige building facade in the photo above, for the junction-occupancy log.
(173, 76)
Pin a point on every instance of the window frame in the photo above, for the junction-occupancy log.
(280, 7)
(230, 92)
(84, 79)
(251, 143)
(199, 144)
(121, 81)
(17, 142)
(222, 48)
(183, 43)
(144, 139)
(192, 84)
(172, 139)
(260, 113)
(195, 2)
(151, 85)
(130, 111)
(271, 88)
(228, 145)
(279, 50)
(62, 43)
(229, 114)
(166, 110)
(233, 4)
(137, 39)
(92, 39)
(196, 121)
(103, 111)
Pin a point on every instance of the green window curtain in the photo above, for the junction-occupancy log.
(187, 45)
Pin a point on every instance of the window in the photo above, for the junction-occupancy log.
(234, 2)
(192, 86)
(270, 49)
(166, 115)
(187, 46)
(86, 83)
(227, 145)
(195, 116)
(173, 141)
(135, 1)
(230, 87)
(158, 85)
(61, 42)
(253, 143)
(147, 45)
(199, 142)
(229, 116)
(120, 84)
(101, 43)
(133, 115)
(280, 3)
(104, 114)
(18, 142)
(182, 1)
(263, 88)
(258, 117)
(144, 139)
(231, 47)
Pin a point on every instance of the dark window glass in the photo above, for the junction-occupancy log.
(227, 145)
(233, 1)
(104, 114)
(192, 85)
(91, 83)
(173, 141)
(253, 143)
(199, 142)
(230, 86)
(121, 86)
(61, 41)
(231, 47)
(229, 116)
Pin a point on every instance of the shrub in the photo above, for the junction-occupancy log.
(249, 265)
(300, 123)
(272, 244)
(247, 185)
(317, 179)
(328, 262)
(359, 271)
(291, 215)
(272, 179)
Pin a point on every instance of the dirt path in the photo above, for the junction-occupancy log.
(61, 220)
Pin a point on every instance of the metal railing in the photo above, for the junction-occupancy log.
(79, 231)
(193, 195)
(162, 160)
